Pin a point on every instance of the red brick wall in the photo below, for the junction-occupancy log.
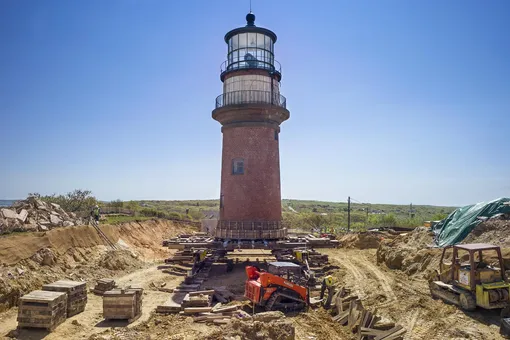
(255, 195)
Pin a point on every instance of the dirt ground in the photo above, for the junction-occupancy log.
(406, 300)
(82, 325)
(391, 279)
(30, 260)
(396, 296)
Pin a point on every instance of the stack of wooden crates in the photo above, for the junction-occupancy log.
(42, 309)
(76, 294)
(123, 303)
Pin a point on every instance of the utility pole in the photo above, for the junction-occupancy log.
(349, 213)
(366, 221)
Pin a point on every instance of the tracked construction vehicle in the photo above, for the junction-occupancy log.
(470, 280)
(283, 287)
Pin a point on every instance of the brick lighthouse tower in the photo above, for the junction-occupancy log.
(250, 111)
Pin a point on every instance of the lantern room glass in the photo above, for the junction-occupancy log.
(250, 50)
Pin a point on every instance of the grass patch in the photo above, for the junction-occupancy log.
(123, 219)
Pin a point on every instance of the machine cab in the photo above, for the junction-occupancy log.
(472, 264)
(287, 270)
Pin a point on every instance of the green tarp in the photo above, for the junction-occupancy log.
(459, 223)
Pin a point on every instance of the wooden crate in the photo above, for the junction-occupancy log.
(42, 309)
(122, 304)
(76, 294)
(138, 299)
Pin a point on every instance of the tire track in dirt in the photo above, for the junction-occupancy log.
(408, 301)
(356, 273)
(410, 327)
(384, 281)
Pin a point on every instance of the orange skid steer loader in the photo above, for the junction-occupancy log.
(282, 287)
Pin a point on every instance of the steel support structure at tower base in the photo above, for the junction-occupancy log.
(250, 230)
(208, 242)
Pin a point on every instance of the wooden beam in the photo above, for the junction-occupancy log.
(202, 292)
(193, 310)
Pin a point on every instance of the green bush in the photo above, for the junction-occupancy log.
(73, 201)
(174, 215)
(439, 216)
(116, 204)
(388, 220)
(150, 212)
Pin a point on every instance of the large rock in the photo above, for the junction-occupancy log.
(48, 257)
(30, 227)
(8, 213)
(17, 225)
(55, 220)
(68, 224)
(41, 205)
(22, 216)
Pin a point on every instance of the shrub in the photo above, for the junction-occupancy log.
(174, 215)
(73, 201)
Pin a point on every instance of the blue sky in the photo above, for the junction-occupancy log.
(390, 101)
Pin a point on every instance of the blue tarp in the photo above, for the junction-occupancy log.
(462, 221)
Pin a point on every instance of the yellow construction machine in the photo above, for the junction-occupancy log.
(472, 277)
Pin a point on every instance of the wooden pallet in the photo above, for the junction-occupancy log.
(76, 294)
(42, 309)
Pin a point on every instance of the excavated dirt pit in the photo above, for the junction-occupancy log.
(391, 280)
(233, 281)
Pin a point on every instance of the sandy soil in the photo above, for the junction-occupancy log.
(407, 301)
(91, 321)
(397, 294)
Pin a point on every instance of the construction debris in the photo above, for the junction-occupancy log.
(76, 294)
(191, 302)
(201, 300)
(123, 304)
(364, 323)
(34, 214)
(42, 309)
(216, 315)
(103, 285)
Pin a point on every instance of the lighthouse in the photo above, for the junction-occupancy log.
(250, 111)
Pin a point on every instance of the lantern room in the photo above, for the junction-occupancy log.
(250, 47)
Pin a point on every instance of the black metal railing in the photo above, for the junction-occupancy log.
(251, 97)
(258, 63)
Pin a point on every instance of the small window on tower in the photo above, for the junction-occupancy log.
(238, 166)
(275, 135)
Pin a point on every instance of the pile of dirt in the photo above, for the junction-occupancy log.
(34, 214)
(315, 324)
(77, 264)
(493, 231)
(116, 260)
(363, 240)
(78, 253)
(410, 252)
(173, 327)
(239, 329)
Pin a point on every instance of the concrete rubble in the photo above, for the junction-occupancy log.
(34, 214)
